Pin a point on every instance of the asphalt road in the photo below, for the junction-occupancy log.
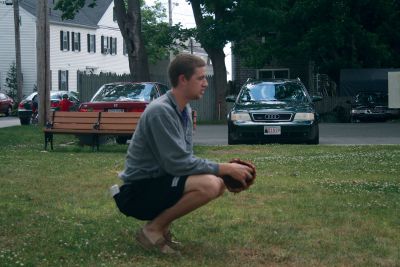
(9, 121)
(330, 133)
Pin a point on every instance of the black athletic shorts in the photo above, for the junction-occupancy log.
(146, 199)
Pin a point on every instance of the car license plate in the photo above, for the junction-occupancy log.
(116, 110)
(272, 130)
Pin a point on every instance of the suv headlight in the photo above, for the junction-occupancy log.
(359, 111)
(304, 117)
(240, 116)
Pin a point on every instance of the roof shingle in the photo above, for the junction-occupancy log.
(88, 17)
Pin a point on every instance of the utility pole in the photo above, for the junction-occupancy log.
(18, 50)
(43, 60)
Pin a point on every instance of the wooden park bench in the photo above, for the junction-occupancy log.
(93, 124)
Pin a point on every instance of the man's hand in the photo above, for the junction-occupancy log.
(240, 176)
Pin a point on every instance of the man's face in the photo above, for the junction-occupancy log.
(196, 86)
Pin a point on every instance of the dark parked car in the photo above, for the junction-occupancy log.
(371, 106)
(31, 101)
(6, 104)
(124, 97)
(273, 111)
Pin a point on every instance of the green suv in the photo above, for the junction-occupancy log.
(273, 111)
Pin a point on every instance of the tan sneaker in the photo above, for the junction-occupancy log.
(160, 245)
(169, 237)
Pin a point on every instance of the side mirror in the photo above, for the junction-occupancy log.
(230, 98)
(316, 98)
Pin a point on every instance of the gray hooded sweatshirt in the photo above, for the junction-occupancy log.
(162, 144)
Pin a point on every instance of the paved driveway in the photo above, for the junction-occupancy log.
(9, 121)
(330, 133)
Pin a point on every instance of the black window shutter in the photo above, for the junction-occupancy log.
(116, 46)
(102, 44)
(79, 41)
(66, 75)
(73, 41)
(61, 41)
(94, 42)
(59, 80)
(110, 45)
(88, 42)
(68, 41)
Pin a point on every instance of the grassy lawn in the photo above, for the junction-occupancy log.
(311, 206)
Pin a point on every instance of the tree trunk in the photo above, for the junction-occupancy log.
(217, 56)
(220, 81)
(129, 22)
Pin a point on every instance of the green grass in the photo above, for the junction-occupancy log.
(310, 206)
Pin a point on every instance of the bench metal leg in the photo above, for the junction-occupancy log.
(48, 137)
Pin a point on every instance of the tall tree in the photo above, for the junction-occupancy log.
(129, 20)
(341, 34)
(213, 29)
(257, 26)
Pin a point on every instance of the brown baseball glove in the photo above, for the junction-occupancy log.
(232, 183)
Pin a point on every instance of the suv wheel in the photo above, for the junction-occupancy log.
(230, 139)
(315, 140)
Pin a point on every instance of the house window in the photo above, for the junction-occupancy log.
(64, 40)
(76, 41)
(124, 48)
(113, 46)
(104, 45)
(108, 45)
(114, 15)
(91, 43)
(63, 80)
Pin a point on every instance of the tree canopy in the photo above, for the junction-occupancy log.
(333, 34)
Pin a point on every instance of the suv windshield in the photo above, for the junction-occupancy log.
(124, 92)
(372, 99)
(264, 92)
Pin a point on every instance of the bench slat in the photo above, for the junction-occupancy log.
(73, 126)
(123, 127)
(74, 120)
(76, 114)
(71, 131)
(119, 120)
(121, 114)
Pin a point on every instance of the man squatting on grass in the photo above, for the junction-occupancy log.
(163, 180)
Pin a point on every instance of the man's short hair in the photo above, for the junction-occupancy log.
(185, 64)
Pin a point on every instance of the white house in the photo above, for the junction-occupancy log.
(91, 42)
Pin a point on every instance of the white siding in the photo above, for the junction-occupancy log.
(28, 46)
(59, 60)
(82, 60)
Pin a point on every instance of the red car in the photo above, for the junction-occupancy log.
(6, 104)
(124, 97)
